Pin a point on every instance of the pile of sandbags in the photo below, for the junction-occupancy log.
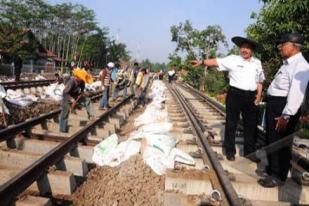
(152, 139)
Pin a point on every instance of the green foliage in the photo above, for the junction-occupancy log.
(198, 44)
(275, 18)
(90, 49)
(175, 61)
(153, 67)
(216, 82)
(156, 67)
(194, 77)
(117, 51)
(16, 41)
(66, 29)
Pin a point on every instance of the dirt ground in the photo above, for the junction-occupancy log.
(129, 127)
(131, 183)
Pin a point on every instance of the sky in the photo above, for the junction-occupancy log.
(144, 25)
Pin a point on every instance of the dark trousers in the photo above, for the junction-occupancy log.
(239, 101)
(170, 79)
(279, 161)
(65, 111)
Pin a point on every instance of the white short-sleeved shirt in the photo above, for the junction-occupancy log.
(291, 81)
(243, 74)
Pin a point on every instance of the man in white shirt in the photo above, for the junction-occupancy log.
(245, 79)
(284, 98)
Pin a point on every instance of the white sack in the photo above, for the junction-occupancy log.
(103, 150)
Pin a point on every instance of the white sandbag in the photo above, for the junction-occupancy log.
(102, 151)
(54, 92)
(110, 153)
(95, 86)
(18, 98)
(151, 115)
(123, 152)
(13, 94)
(162, 142)
(182, 157)
(3, 107)
(39, 77)
(157, 128)
(161, 154)
(156, 160)
(2, 92)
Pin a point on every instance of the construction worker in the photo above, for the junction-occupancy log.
(106, 81)
(140, 87)
(18, 64)
(244, 94)
(73, 93)
(133, 76)
(120, 83)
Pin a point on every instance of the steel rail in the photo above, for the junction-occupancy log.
(216, 105)
(12, 188)
(11, 131)
(221, 109)
(297, 161)
(25, 84)
(226, 185)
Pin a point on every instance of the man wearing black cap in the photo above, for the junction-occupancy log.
(284, 98)
(245, 80)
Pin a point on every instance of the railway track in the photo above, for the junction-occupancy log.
(44, 161)
(38, 164)
(26, 84)
(236, 181)
(35, 88)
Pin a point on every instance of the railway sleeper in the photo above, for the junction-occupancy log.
(20, 160)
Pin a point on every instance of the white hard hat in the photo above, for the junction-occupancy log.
(110, 64)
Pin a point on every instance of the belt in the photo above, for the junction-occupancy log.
(242, 91)
(269, 97)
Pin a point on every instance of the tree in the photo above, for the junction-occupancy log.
(197, 44)
(275, 18)
(175, 61)
(117, 51)
(94, 49)
(66, 29)
(183, 35)
(16, 42)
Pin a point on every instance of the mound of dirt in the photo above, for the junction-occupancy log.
(131, 184)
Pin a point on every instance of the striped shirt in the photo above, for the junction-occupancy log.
(105, 77)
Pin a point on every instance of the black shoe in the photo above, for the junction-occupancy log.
(270, 182)
(230, 157)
